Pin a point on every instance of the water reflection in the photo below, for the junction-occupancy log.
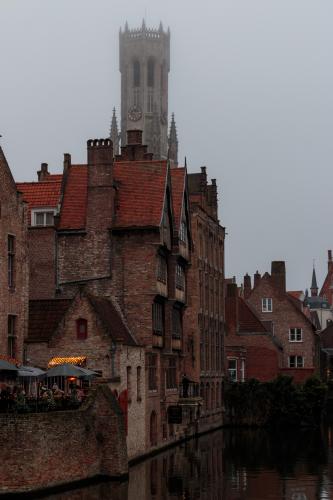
(233, 464)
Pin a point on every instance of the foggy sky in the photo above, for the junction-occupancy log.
(251, 87)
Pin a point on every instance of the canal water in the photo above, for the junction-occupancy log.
(229, 464)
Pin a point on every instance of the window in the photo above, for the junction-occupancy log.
(242, 370)
(296, 362)
(162, 268)
(158, 318)
(295, 335)
(136, 74)
(152, 372)
(11, 351)
(267, 305)
(42, 217)
(183, 232)
(136, 98)
(176, 323)
(150, 72)
(232, 369)
(11, 260)
(81, 329)
(180, 277)
(171, 382)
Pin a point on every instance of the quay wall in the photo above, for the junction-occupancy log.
(42, 450)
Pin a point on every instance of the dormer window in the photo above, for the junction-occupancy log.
(180, 277)
(42, 217)
(81, 329)
(183, 232)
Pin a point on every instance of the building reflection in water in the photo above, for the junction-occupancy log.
(232, 464)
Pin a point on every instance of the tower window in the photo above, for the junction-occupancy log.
(150, 72)
(136, 74)
(150, 101)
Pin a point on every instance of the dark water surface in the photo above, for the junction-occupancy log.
(230, 464)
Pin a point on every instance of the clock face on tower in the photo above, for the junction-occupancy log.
(134, 113)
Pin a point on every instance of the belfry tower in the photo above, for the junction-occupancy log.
(144, 64)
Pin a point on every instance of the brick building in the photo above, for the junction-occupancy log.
(282, 314)
(13, 267)
(251, 350)
(205, 313)
(122, 230)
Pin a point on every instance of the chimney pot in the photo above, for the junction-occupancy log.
(247, 286)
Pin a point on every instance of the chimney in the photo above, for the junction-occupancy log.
(67, 162)
(278, 274)
(231, 308)
(247, 286)
(330, 262)
(256, 279)
(100, 152)
(134, 137)
(43, 173)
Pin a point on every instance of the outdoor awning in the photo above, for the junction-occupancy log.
(74, 360)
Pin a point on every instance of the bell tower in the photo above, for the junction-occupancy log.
(144, 64)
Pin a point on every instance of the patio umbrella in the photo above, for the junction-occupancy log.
(30, 371)
(66, 370)
(88, 373)
(5, 366)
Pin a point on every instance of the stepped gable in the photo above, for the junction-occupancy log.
(140, 193)
(74, 204)
(178, 176)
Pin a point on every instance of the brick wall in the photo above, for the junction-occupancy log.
(42, 264)
(72, 445)
(14, 300)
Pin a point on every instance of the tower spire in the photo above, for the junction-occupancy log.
(314, 286)
(114, 133)
(173, 141)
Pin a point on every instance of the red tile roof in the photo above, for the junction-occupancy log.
(248, 320)
(40, 194)
(74, 204)
(178, 187)
(141, 193)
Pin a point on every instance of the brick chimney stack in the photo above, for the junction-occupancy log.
(247, 286)
(231, 308)
(134, 149)
(100, 152)
(256, 279)
(43, 173)
(278, 274)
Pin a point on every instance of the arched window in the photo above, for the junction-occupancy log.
(136, 73)
(81, 328)
(153, 429)
(150, 72)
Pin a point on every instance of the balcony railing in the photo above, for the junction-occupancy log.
(189, 389)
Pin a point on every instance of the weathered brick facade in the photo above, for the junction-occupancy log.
(251, 351)
(284, 317)
(49, 449)
(205, 313)
(13, 266)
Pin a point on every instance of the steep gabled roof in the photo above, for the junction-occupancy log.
(178, 176)
(248, 320)
(112, 320)
(44, 318)
(141, 193)
(74, 203)
(44, 194)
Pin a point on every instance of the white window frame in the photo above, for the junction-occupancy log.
(267, 304)
(293, 334)
(233, 378)
(242, 370)
(44, 211)
(297, 358)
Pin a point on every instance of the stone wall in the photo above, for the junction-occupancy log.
(49, 449)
